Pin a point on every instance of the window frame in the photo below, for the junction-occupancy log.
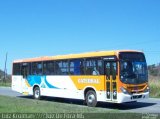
(33, 68)
(66, 70)
(83, 66)
(95, 59)
(61, 67)
(13, 69)
(51, 72)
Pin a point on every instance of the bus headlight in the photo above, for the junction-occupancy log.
(147, 89)
(124, 90)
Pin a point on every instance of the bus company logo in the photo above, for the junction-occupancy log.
(93, 81)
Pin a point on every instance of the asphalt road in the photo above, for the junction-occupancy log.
(151, 105)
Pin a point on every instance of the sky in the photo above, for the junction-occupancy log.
(33, 28)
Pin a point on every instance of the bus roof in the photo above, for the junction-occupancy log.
(74, 56)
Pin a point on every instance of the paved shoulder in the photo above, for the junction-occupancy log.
(151, 105)
(8, 92)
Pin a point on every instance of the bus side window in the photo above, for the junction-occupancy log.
(16, 69)
(61, 67)
(37, 68)
(25, 69)
(94, 67)
(100, 67)
(88, 67)
(57, 68)
(71, 67)
(76, 67)
(48, 68)
(65, 67)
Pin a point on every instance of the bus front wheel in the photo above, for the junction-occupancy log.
(36, 93)
(91, 98)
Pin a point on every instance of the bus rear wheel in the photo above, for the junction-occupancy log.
(91, 98)
(36, 93)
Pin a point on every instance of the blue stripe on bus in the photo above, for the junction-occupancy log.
(40, 80)
(49, 85)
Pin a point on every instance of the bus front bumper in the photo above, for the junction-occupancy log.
(130, 98)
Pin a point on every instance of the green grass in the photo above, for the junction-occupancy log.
(23, 105)
(154, 84)
(5, 84)
(15, 105)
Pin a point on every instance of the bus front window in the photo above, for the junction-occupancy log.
(133, 71)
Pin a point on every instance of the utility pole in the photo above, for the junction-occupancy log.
(5, 69)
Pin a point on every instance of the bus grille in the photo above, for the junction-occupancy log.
(136, 89)
(136, 97)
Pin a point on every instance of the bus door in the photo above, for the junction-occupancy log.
(111, 82)
(24, 73)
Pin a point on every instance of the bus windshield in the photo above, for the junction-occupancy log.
(133, 68)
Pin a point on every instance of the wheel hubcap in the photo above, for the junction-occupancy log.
(37, 93)
(91, 98)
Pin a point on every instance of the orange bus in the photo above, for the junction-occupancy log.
(108, 76)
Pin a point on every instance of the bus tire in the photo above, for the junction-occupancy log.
(36, 93)
(91, 98)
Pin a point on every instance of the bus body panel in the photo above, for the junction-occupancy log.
(59, 86)
(17, 83)
(70, 87)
